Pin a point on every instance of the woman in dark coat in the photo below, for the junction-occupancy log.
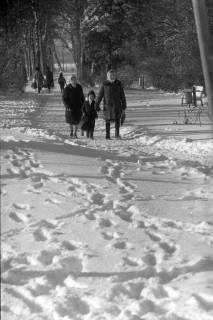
(89, 115)
(73, 99)
(114, 98)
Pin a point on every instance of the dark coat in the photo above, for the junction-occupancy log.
(114, 100)
(89, 116)
(73, 99)
(38, 76)
(61, 80)
(49, 78)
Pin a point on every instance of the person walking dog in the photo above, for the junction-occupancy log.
(73, 99)
(89, 115)
(113, 95)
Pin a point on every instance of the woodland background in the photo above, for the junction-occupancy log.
(140, 37)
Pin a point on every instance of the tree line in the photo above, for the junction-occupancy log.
(157, 38)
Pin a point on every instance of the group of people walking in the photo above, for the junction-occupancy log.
(40, 81)
(82, 113)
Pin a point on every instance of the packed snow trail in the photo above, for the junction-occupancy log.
(103, 229)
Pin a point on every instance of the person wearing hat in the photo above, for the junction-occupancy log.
(114, 101)
(89, 115)
(73, 99)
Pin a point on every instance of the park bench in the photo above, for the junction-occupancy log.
(192, 105)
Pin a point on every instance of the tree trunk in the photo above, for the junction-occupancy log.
(77, 53)
(36, 34)
(30, 55)
(26, 61)
(81, 65)
(56, 56)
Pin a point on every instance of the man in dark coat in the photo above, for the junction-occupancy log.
(49, 79)
(39, 79)
(73, 99)
(61, 81)
(114, 99)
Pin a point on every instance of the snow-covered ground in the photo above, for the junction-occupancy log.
(105, 230)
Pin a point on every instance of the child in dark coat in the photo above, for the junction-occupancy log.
(89, 115)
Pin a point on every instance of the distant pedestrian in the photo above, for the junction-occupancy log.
(62, 82)
(49, 79)
(39, 79)
(114, 99)
(89, 115)
(73, 99)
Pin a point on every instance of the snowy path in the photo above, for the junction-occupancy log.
(103, 229)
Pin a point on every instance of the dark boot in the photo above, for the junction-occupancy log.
(117, 127)
(107, 130)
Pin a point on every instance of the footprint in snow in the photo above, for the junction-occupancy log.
(51, 224)
(131, 261)
(121, 244)
(70, 265)
(111, 171)
(21, 206)
(139, 224)
(107, 235)
(143, 308)
(204, 300)
(96, 198)
(52, 201)
(71, 307)
(39, 286)
(36, 178)
(131, 289)
(19, 217)
(124, 215)
(68, 246)
(149, 259)
(16, 163)
(13, 171)
(125, 187)
(89, 214)
(46, 257)
(34, 163)
(104, 223)
(38, 185)
(33, 190)
(153, 236)
(169, 248)
(154, 292)
(41, 234)
(110, 236)
(173, 224)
